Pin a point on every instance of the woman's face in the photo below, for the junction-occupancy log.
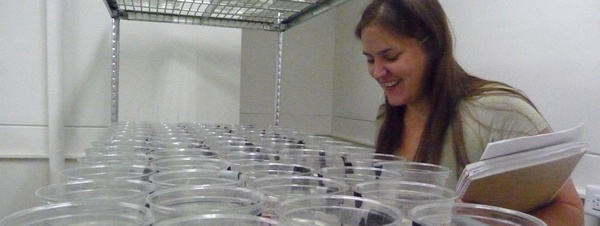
(397, 63)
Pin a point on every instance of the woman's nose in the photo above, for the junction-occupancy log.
(378, 70)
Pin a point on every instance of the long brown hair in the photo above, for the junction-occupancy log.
(445, 83)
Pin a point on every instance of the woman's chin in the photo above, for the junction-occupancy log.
(395, 98)
(396, 103)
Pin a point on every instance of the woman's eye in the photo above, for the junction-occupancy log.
(392, 58)
(370, 60)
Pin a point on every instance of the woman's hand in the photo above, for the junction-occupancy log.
(565, 209)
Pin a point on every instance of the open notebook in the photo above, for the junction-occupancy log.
(522, 173)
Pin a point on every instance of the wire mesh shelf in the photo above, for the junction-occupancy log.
(274, 15)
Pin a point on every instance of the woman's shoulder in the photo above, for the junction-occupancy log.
(503, 108)
(495, 115)
(500, 97)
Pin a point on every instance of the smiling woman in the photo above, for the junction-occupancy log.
(435, 111)
(397, 63)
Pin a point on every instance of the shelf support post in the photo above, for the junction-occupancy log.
(114, 110)
(56, 104)
(278, 68)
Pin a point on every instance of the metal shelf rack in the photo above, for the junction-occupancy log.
(268, 15)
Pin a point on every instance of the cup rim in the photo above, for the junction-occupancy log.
(134, 158)
(257, 219)
(40, 192)
(255, 194)
(312, 170)
(495, 209)
(324, 169)
(282, 214)
(168, 167)
(241, 178)
(453, 195)
(153, 155)
(399, 158)
(435, 167)
(148, 214)
(264, 181)
(146, 170)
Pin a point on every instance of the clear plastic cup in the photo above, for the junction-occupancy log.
(469, 214)
(248, 133)
(110, 159)
(119, 149)
(315, 158)
(274, 138)
(405, 195)
(190, 163)
(185, 201)
(419, 172)
(178, 144)
(224, 135)
(314, 161)
(279, 188)
(345, 149)
(242, 158)
(312, 139)
(273, 129)
(368, 159)
(134, 172)
(124, 142)
(216, 126)
(220, 219)
(278, 145)
(175, 136)
(132, 191)
(336, 210)
(123, 136)
(297, 135)
(353, 175)
(197, 178)
(264, 169)
(220, 140)
(219, 145)
(336, 144)
(181, 152)
(307, 151)
(225, 149)
(101, 213)
(207, 133)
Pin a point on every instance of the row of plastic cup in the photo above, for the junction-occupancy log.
(247, 176)
(305, 205)
(334, 161)
(403, 195)
(392, 170)
(109, 214)
(235, 156)
(158, 135)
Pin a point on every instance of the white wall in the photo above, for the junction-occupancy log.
(22, 82)
(356, 95)
(169, 73)
(306, 78)
(180, 73)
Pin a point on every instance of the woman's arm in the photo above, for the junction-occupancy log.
(565, 209)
